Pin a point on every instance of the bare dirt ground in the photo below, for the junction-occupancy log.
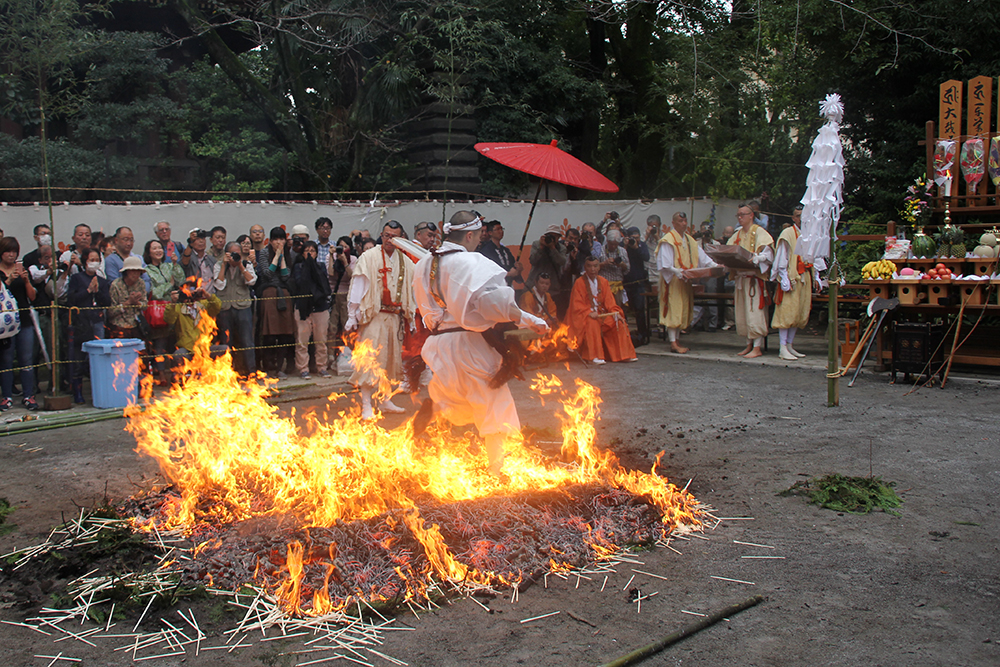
(920, 588)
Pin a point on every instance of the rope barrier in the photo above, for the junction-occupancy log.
(170, 354)
(65, 307)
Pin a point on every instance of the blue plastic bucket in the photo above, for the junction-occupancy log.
(114, 370)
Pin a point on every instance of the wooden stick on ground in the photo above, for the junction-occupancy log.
(641, 654)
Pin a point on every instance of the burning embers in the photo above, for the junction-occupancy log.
(342, 510)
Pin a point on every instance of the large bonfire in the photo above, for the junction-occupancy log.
(325, 511)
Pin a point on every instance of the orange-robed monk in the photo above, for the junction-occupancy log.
(595, 321)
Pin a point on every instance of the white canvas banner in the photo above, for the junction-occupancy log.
(237, 217)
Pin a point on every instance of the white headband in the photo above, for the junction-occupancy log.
(470, 226)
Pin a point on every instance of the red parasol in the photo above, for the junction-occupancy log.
(549, 164)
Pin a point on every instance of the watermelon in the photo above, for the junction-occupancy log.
(923, 246)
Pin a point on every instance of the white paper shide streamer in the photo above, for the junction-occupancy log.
(824, 197)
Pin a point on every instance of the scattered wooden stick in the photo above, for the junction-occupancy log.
(580, 619)
(535, 618)
(738, 581)
(751, 544)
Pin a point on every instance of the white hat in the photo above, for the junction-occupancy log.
(132, 263)
(300, 229)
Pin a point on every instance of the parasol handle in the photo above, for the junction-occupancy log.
(530, 214)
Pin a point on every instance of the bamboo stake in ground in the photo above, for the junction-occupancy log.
(641, 654)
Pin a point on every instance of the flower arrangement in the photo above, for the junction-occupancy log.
(916, 205)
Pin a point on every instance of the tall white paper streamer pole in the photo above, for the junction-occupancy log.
(824, 198)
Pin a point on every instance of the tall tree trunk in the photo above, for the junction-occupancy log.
(286, 128)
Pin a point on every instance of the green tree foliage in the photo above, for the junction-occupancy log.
(227, 134)
(666, 98)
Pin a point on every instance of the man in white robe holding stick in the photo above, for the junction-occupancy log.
(463, 296)
(379, 306)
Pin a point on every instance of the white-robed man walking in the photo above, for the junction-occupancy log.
(463, 294)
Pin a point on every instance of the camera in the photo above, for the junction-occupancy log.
(236, 256)
(339, 250)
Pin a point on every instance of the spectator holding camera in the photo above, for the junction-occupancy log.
(195, 259)
(187, 307)
(548, 255)
(312, 307)
(615, 265)
(589, 245)
(22, 344)
(340, 268)
(610, 221)
(233, 279)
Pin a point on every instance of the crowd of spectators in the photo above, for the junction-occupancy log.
(279, 300)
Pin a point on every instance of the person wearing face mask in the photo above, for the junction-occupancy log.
(43, 237)
(312, 309)
(128, 300)
(91, 294)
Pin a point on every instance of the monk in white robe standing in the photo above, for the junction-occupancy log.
(379, 305)
(751, 298)
(462, 294)
(793, 298)
(676, 254)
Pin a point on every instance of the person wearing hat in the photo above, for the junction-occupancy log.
(128, 300)
(548, 255)
(300, 234)
(463, 296)
(196, 260)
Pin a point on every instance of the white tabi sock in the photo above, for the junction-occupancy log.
(388, 406)
(366, 402)
(494, 450)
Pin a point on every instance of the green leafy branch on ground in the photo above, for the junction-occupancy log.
(857, 495)
(5, 509)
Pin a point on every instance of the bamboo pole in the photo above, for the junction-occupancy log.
(833, 328)
(641, 654)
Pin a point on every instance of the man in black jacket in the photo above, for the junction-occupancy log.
(637, 281)
(493, 248)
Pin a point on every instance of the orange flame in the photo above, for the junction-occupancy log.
(232, 458)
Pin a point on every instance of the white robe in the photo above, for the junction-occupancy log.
(477, 297)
